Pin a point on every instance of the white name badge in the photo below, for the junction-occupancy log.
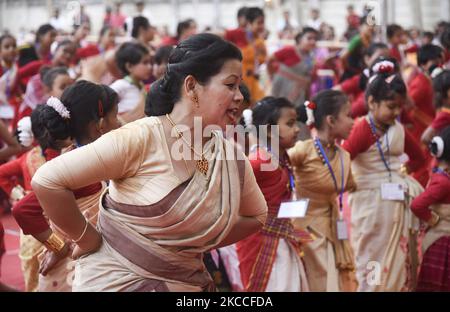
(293, 209)
(392, 191)
(342, 230)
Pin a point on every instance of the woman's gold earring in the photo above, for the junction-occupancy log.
(195, 100)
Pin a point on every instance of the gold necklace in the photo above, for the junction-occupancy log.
(202, 164)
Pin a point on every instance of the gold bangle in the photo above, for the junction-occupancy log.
(54, 243)
(82, 234)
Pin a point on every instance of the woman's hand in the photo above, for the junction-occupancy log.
(90, 243)
(51, 259)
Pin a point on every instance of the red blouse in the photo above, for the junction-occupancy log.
(288, 56)
(441, 120)
(17, 169)
(361, 139)
(29, 213)
(437, 192)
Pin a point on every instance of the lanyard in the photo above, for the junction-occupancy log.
(380, 150)
(327, 162)
(291, 174)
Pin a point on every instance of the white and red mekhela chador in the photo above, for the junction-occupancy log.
(383, 232)
(270, 260)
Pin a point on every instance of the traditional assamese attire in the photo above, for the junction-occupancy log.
(383, 232)
(19, 172)
(29, 215)
(328, 260)
(155, 227)
(254, 54)
(270, 260)
(434, 272)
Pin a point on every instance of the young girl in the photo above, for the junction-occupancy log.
(322, 175)
(433, 208)
(40, 50)
(382, 225)
(15, 176)
(9, 91)
(51, 81)
(441, 86)
(89, 111)
(270, 260)
(251, 43)
(293, 78)
(134, 60)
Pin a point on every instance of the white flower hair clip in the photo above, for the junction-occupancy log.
(310, 107)
(59, 107)
(383, 67)
(438, 149)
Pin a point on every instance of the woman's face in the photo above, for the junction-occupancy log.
(308, 42)
(64, 55)
(8, 50)
(220, 98)
(288, 127)
(108, 39)
(257, 26)
(59, 85)
(344, 122)
(82, 32)
(142, 70)
(48, 38)
(386, 112)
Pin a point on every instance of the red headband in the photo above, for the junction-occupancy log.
(100, 108)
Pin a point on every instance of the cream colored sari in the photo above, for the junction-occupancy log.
(383, 232)
(155, 227)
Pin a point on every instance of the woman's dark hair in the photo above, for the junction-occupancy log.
(384, 87)
(445, 37)
(364, 77)
(49, 74)
(242, 12)
(445, 135)
(253, 13)
(328, 103)
(162, 54)
(374, 47)
(139, 22)
(130, 52)
(4, 37)
(183, 26)
(43, 30)
(65, 42)
(428, 52)
(189, 58)
(392, 29)
(267, 111)
(441, 86)
(305, 30)
(86, 102)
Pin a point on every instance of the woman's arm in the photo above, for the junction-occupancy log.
(252, 211)
(108, 158)
(244, 227)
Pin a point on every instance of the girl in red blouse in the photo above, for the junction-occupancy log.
(433, 208)
(270, 259)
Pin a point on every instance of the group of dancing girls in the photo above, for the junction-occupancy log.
(396, 237)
